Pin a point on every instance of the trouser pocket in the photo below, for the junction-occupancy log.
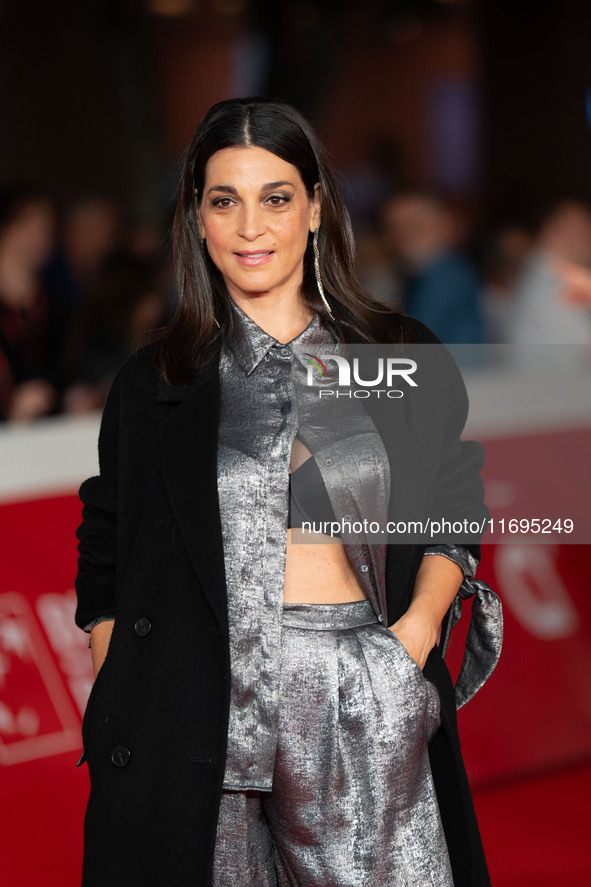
(404, 660)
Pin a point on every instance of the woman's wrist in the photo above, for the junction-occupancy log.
(422, 617)
(438, 582)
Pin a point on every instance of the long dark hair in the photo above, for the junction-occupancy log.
(192, 337)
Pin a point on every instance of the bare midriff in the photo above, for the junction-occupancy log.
(317, 572)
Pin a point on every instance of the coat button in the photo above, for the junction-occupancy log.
(120, 756)
(143, 626)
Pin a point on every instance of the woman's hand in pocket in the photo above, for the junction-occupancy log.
(417, 636)
(436, 585)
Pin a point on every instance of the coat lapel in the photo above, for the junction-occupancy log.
(189, 439)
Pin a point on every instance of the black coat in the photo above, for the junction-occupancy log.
(155, 727)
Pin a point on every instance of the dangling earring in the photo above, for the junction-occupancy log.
(218, 326)
(317, 272)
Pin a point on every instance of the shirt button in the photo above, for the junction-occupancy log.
(364, 568)
(328, 461)
(346, 517)
(285, 351)
(143, 626)
(120, 756)
(380, 618)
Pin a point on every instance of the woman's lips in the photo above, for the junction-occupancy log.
(254, 257)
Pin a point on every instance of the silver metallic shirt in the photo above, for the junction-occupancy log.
(259, 420)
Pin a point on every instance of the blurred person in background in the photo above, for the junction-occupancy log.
(29, 330)
(265, 711)
(441, 288)
(505, 252)
(126, 300)
(547, 307)
(576, 282)
(143, 239)
(89, 232)
(377, 268)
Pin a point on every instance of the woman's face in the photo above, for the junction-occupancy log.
(255, 216)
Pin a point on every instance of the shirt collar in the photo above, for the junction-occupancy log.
(249, 343)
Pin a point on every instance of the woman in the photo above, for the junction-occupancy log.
(261, 716)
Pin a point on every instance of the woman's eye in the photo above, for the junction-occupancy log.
(278, 199)
(222, 202)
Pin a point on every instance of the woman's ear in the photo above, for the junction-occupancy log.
(315, 208)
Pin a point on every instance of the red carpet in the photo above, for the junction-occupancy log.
(537, 833)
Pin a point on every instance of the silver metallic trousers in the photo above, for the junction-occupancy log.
(353, 802)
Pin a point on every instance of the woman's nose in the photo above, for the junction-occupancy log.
(251, 223)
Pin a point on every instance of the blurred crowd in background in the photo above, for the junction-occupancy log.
(75, 296)
(443, 142)
(80, 288)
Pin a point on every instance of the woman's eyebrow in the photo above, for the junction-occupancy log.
(227, 189)
(230, 189)
(271, 185)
